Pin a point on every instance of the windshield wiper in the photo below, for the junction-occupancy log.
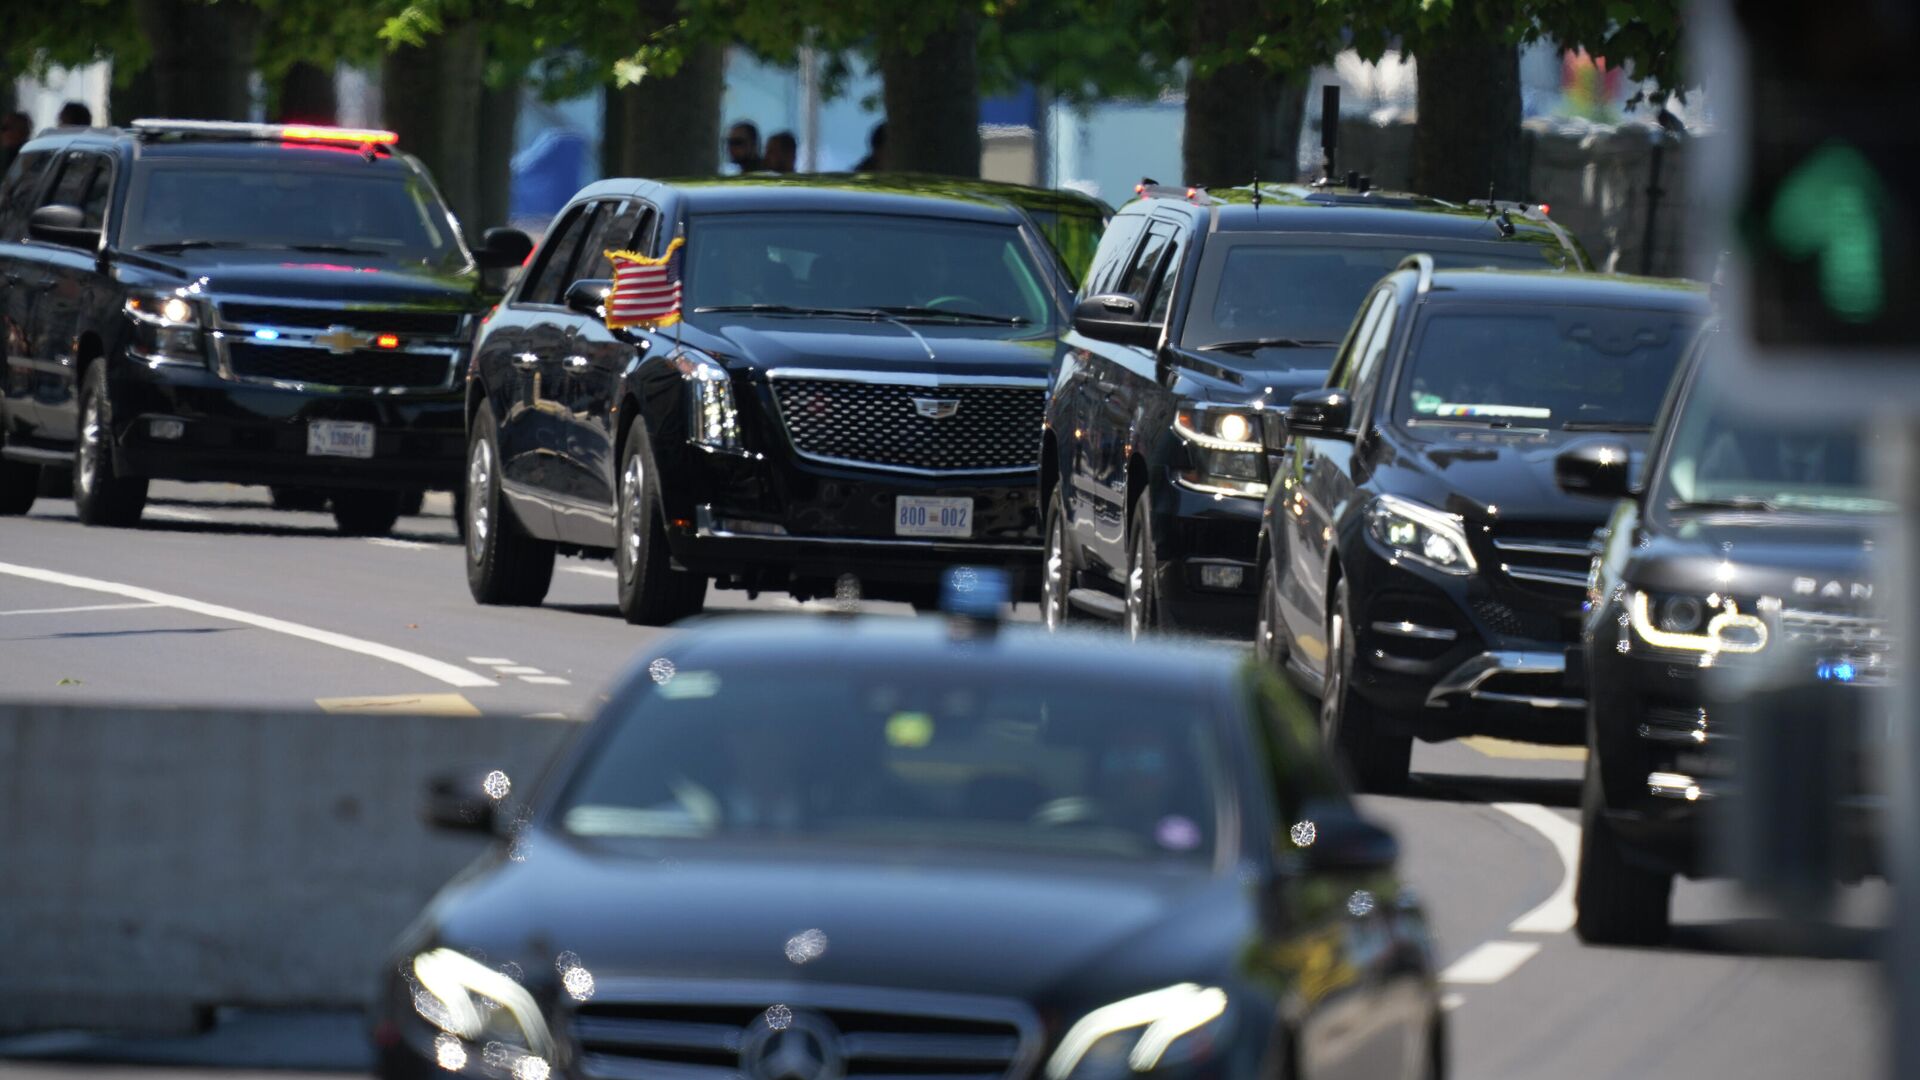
(1605, 425)
(189, 245)
(961, 316)
(1730, 502)
(789, 309)
(1266, 343)
(1465, 421)
(328, 249)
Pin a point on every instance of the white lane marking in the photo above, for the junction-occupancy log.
(1489, 962)
(546, 680)
(1451, 1001)
(1555, 914)
(83, 607)
(425, 665)
(511, 668)
(545, 716)
(591, 571)
(488, 661)
(167, 513)
(408, 545)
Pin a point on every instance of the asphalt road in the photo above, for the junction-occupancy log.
(219, 600)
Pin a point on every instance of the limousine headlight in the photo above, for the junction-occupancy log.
(716, 419)
(1161, 1029)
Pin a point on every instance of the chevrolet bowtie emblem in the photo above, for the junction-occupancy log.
(936, 408)
(342, 339)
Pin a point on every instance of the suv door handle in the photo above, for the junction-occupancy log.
(526, 360)
(575, 361)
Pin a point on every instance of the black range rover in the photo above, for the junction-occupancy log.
(855, 389)
(252, 303)
(1202, 315)
(1418, 566)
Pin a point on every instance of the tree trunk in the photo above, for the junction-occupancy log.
(932, 98)
(307, 95)
(431, 97)
(499, 116)
(1468, 133)
(1287, 114)
(667, 126)
(202, 57)
(1225, 139)
(131, 97)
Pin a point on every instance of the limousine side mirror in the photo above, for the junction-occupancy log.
(1114, 317)
(588, 296)
(1351, 843)
(1602, 468)
(501, 248)
(1326, 413)
(57, 223)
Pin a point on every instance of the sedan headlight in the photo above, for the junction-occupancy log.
(1690, 623)
(1225, 448)
(1418, 532)
(716, 420)
(166, 325)
(1140, 1034)
(482, 1015)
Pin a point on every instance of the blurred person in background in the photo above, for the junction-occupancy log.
(876, 158)
(743, 146)
(15, 129)
(75, 114)
(783, 152)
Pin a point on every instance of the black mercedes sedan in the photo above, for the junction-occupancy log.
(1743, 548)
(854, 386)
(1421, 571)
(815, 848)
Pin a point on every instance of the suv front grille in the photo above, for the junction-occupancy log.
(885, 425)
(695, 1035)
(1552, 559)
(1859, 640)
(365, 369)
(429, 323)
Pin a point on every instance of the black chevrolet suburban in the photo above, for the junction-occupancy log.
(854, 391)
(254, 303)
(1203, 313)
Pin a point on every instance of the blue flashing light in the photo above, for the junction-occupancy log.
(1836, 671)
(974, 591)
(267, 335)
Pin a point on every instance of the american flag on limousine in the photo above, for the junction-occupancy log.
(646, 292)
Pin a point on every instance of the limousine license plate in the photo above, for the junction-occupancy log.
(339, 438)
(926, 515)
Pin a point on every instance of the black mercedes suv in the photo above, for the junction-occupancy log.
(855, 390)
(253, 303)
(1742, 548)
(1418, 566)
(1202, 315)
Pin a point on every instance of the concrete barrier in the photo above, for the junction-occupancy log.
(155, 864)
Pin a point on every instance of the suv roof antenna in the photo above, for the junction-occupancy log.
(1256, 191)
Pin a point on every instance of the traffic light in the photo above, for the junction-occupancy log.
(1830, 225)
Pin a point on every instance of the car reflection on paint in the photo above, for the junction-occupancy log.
(800, 848)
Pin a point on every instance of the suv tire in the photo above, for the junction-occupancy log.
(1615, 902)
(1270, 644)
(1058, 570)
(651, 591)
(19, 486)
(297, 498)
(99, 496)
(505, 565)
(1375, 760)
(365, 513)
(1143, 574)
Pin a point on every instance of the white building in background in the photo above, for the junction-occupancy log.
(42, 98)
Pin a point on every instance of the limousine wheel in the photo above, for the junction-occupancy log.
(651, 591)
(505, 565)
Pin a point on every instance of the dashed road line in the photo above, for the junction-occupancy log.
(406, 545)
(450, 674)
(83, 607)
(1555, 915)
(546, 680)
(592, 571)
(1489, 962)
(515, 669)
(489, 661)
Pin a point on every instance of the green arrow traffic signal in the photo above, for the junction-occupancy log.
(1829, 207)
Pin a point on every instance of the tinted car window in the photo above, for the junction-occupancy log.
(862, 261)
(618, 229)
(1542, 367)
(75, 175)
(1073, 236)
(921, 758)
(1719, 455)
(16, 194)
(555, 272)
(1110, 260)
(1268, 286)
(93, 205)
(378, 212)
(1140, 274)
(1164, 288)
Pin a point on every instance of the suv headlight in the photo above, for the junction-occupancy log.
(1141, 1034)
(716, 420)
(166, 325)
(1690, 623)
(1225, 449)
(482, 1014)
(1418, 532)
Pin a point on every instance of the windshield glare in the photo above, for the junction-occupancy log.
(1267, 287)
(1550, 368)
(919, 759)
(376, 212)
(1718, 456)
(864, 261)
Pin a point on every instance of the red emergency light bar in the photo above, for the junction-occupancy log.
(242, 132)
(356, 136)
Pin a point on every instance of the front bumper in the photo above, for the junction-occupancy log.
(1209, 581)
(257, 434)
